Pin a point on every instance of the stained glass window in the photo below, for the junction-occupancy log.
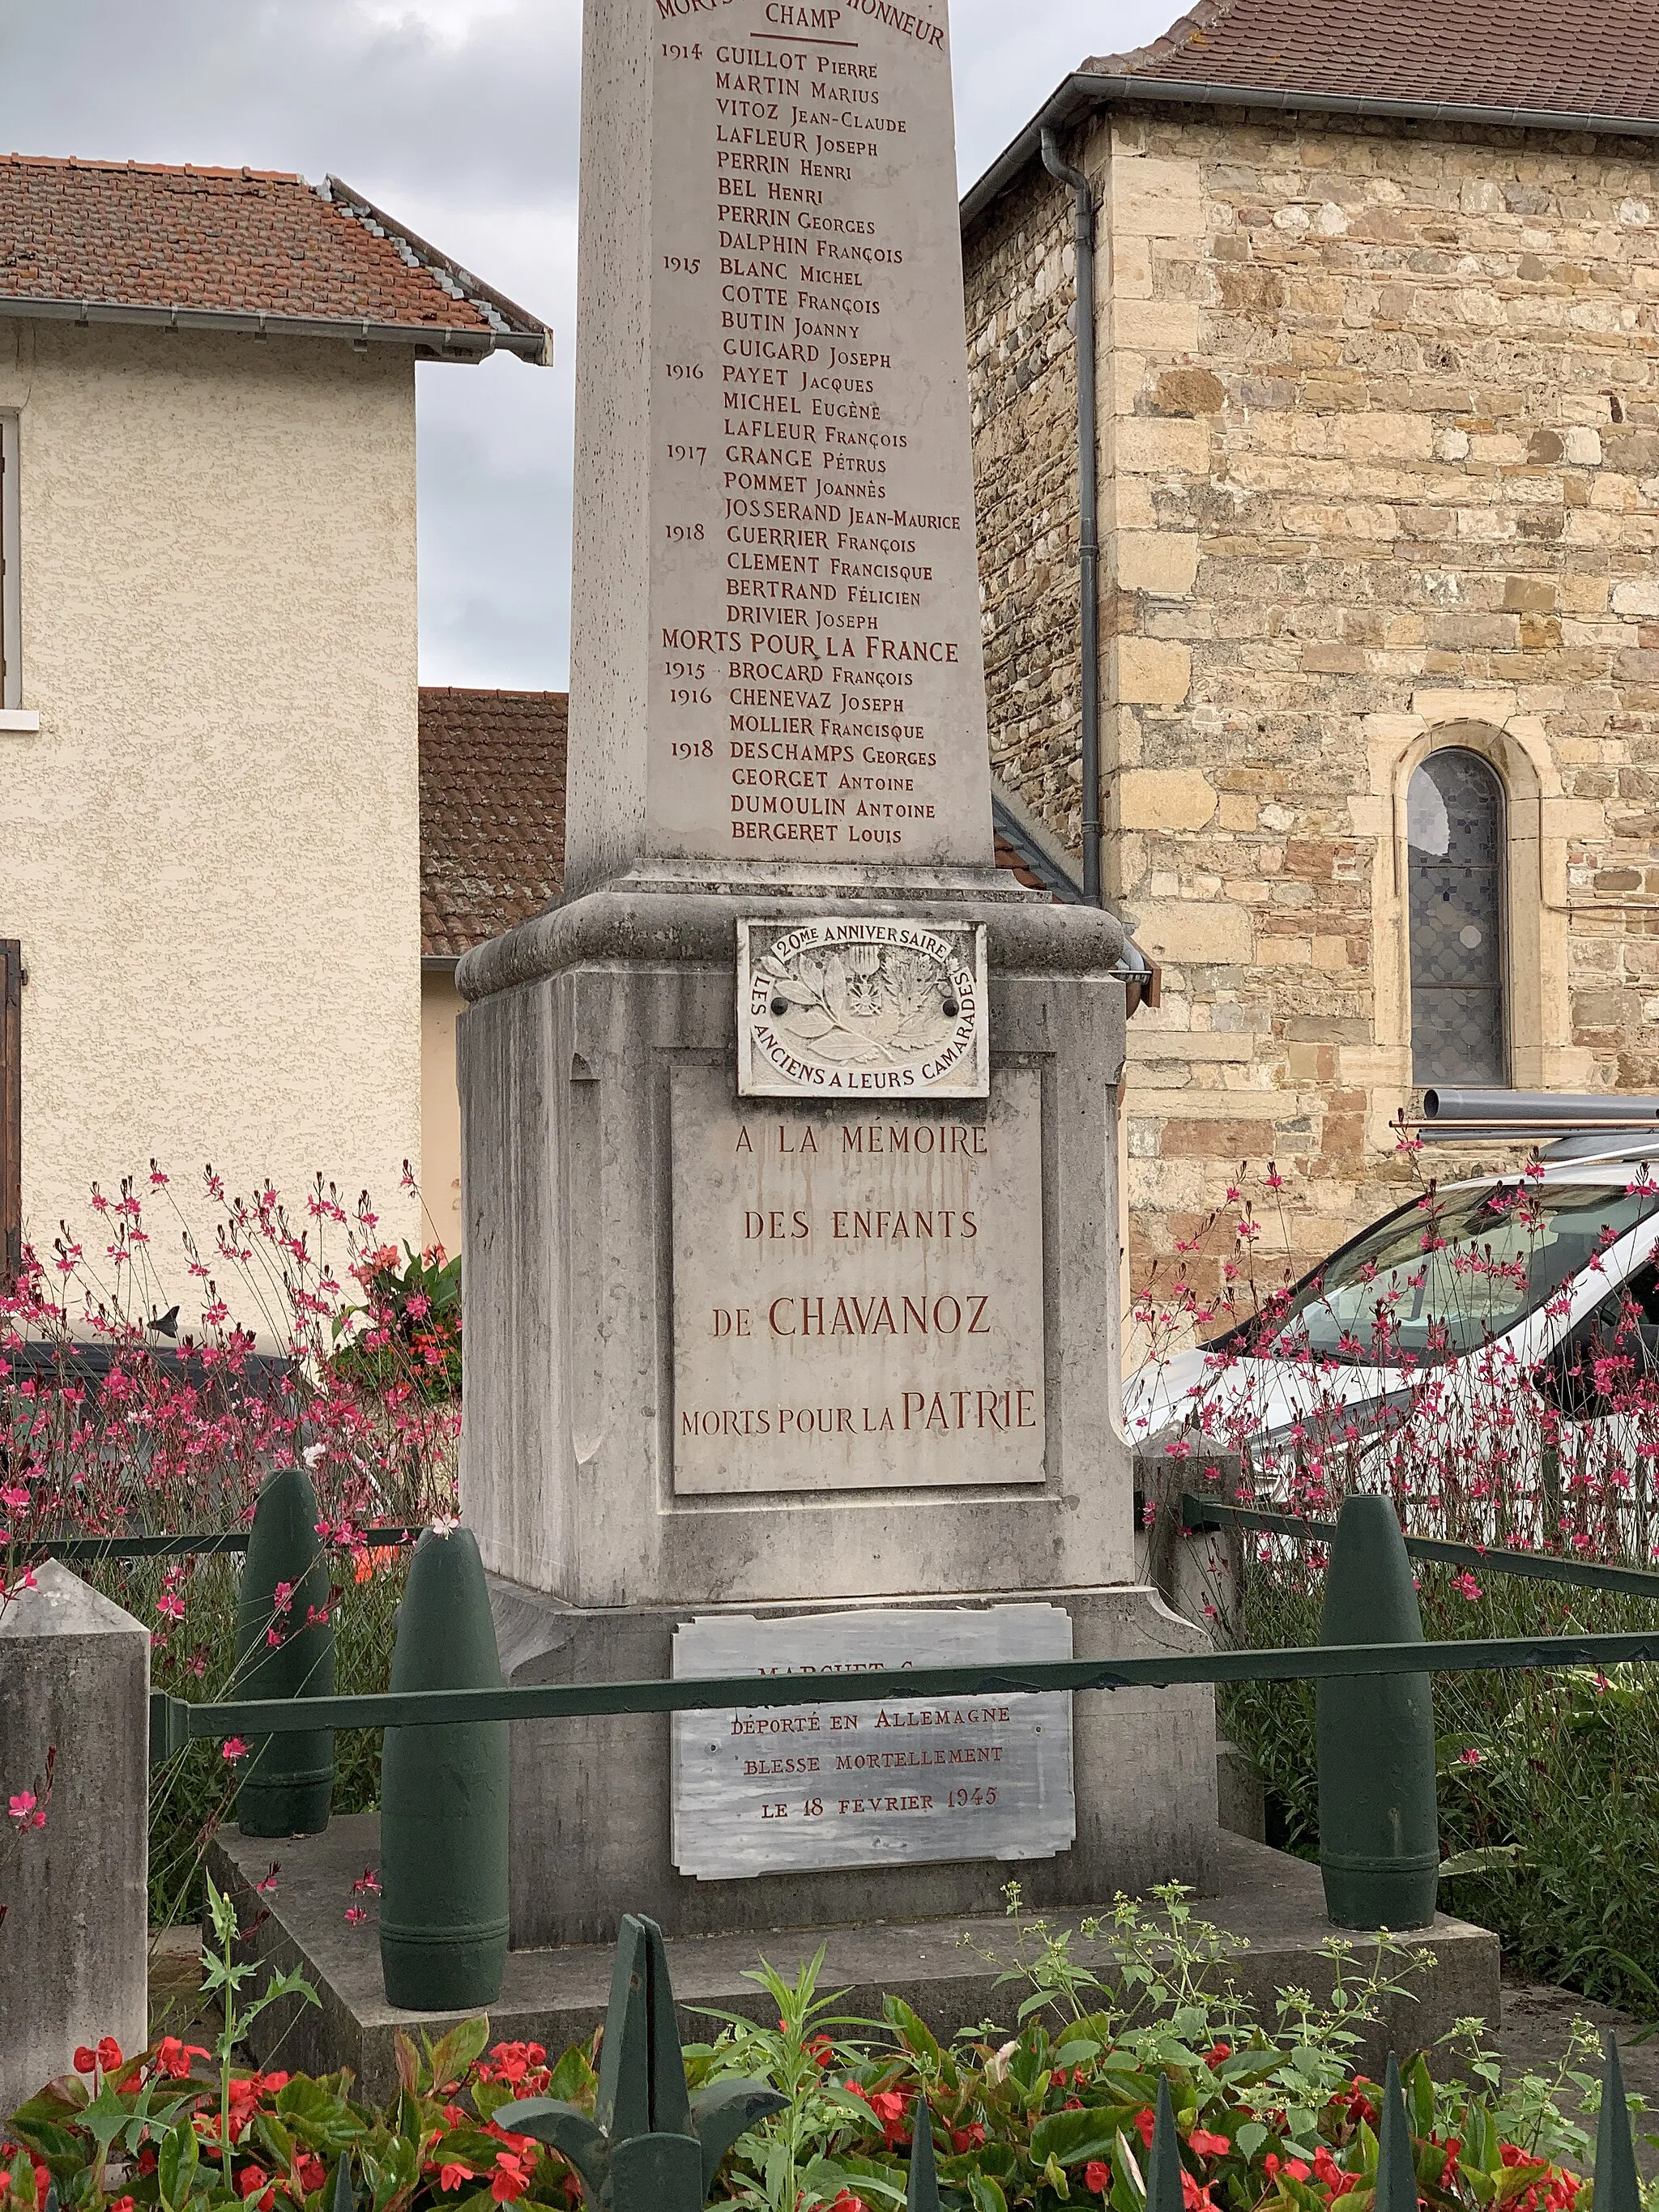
(1454, 883)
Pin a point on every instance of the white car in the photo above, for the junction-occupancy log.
(1489, 1351)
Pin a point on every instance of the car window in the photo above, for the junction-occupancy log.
(1610, 1362)
(1431, 1282)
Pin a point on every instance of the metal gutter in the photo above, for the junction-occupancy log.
(1086, 89)
(461, 343)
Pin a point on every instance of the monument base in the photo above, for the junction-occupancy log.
(591, 1797)
(946, 1968)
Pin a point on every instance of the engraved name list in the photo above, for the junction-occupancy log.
(817, 679)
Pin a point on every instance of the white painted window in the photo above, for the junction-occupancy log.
(11, 656)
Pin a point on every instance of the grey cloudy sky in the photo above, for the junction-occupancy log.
(460, 118)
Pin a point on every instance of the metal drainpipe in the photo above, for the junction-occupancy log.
(1088, 501)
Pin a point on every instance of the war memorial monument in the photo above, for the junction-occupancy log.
(791, 1183)
(790, 1176)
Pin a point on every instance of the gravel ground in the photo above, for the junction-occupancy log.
(1537, 2022)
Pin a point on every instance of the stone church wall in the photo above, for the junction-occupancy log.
(1380, 464)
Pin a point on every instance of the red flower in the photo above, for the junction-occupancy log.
(969, 2138)
(1217, 2053)
(86, 2059)
(1144, 2128)
(819, 2049)
(1328, 2173)
(453, 2175)
(1097, 2176)
(172, 2057)
(845, 2201)
(250, 2180)
(1207, 2145)
(511, 2062)
(512, 2177)
(889, 2107)
(312, 2172)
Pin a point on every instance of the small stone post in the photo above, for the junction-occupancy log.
(74, 1682)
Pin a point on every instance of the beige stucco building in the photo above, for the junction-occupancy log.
(1376, 299)
(209, 808)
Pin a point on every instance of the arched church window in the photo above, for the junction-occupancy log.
(1455, 892)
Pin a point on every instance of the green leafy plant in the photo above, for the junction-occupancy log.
(1268, 2115)
(413, 1324)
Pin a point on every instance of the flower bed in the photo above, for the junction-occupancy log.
(155, 1366)
(1056, 2107)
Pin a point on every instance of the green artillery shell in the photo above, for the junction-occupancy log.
(443, 1796)
(285, 1648)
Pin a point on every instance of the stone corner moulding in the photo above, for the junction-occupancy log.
(23, 721)
(864, 1007)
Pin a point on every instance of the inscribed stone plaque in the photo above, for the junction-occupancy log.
(858, 1290)
(844, 1784)
(816, 687)
(862, 1007)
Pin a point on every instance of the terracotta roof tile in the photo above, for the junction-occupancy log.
(492, 812)
(1558, 56)
(138, 236)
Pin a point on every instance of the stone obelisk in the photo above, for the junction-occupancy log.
(789, 1135)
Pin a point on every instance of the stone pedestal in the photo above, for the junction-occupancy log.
(580, 1023)
(947, 1969)
(598, 1504)
(74, 1682)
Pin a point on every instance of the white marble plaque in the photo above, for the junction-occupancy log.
(772, 1789)
(858, 1289)
(862, 1007)
(816, 688)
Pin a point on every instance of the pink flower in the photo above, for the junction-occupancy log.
(233, 1747)
(268, 1886)
(1466, 1587)
(355, 1913)
(27, 1810)
(1469, 1758)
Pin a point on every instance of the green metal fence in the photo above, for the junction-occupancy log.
(175, 1721)
(75, 1551)
(1200, 1515)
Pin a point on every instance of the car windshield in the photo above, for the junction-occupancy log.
(1433, 1281)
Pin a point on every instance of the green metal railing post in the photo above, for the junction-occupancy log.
(1616, 2188)
(443, 1796)
(1379, 1835)
(285, 1648)
(649, 2147)
(1396, 2169)
(922, 2194)
(1163, 2191)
